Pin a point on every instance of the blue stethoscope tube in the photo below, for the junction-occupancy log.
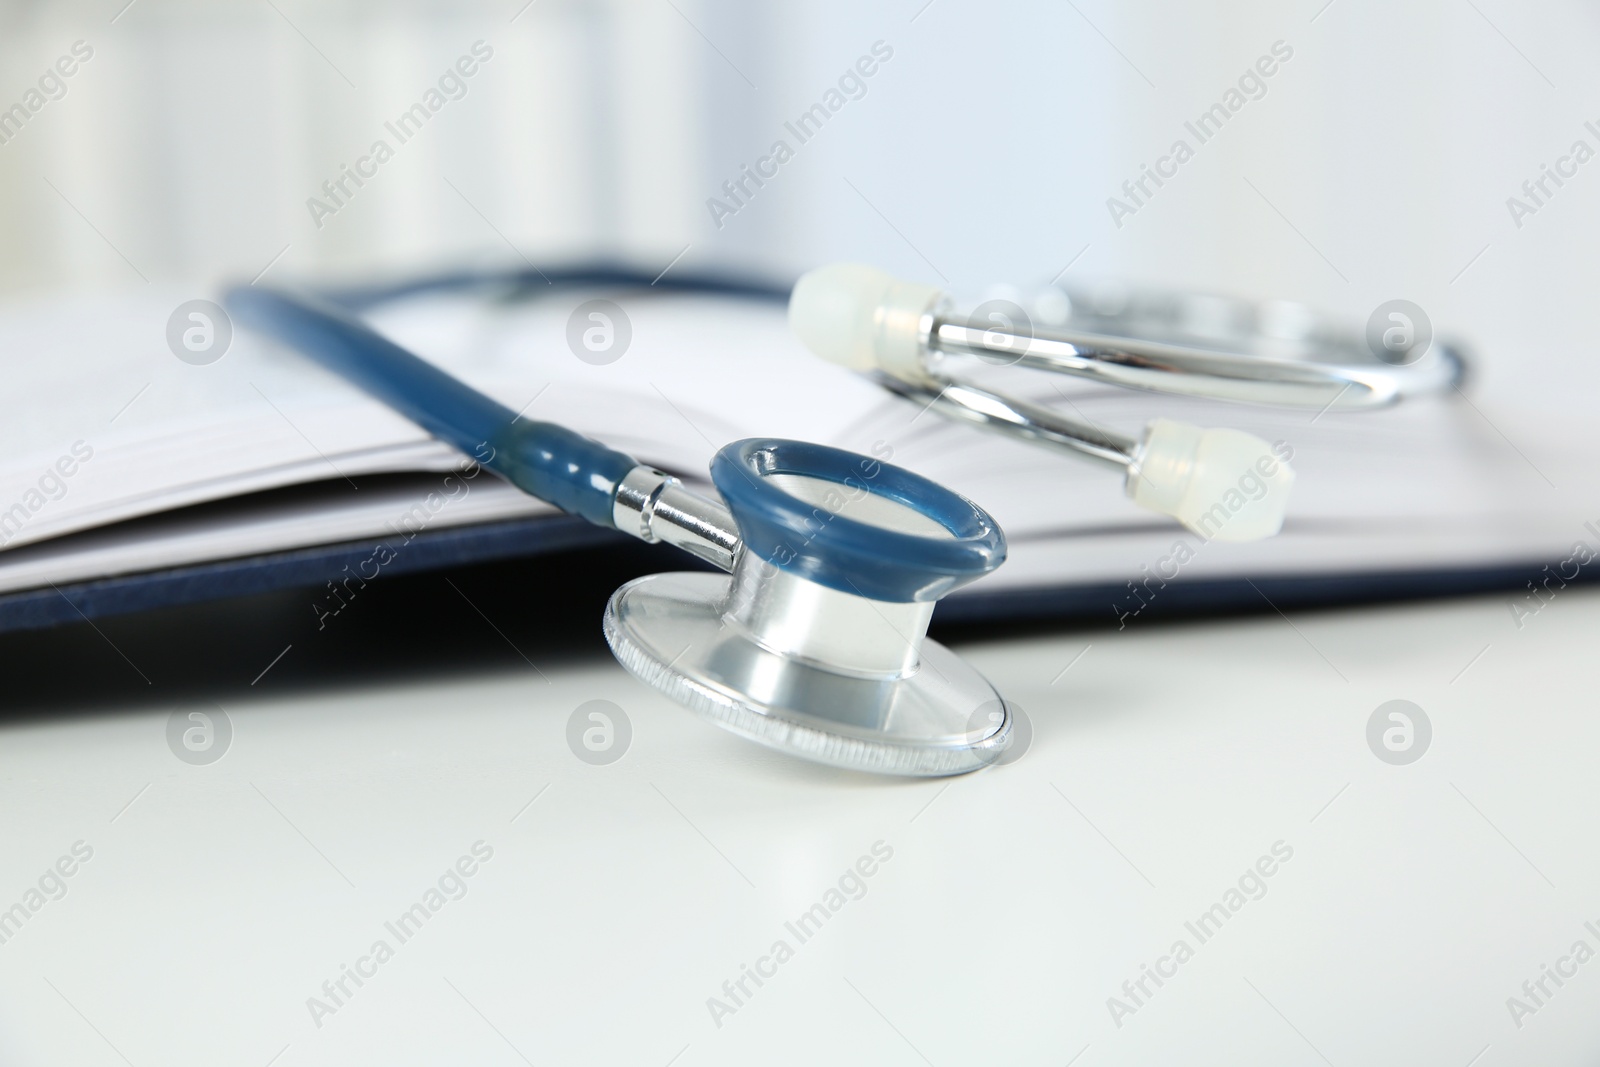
(500, 282)
(583, 477)
(551, 462)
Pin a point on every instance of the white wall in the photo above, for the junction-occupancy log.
(1381, 156)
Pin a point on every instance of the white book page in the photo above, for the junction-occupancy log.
(161, 434)
(1429, 484)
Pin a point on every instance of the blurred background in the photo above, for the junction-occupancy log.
(1377, 164)
(190, 146)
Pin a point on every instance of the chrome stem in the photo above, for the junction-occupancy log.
(1156, 367)
(1017, 418)
(655, 507)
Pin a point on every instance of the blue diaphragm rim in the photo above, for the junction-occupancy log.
(816, 543)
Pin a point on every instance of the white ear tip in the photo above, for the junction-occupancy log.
(831, 311)
(1225, 485)
(859, 317)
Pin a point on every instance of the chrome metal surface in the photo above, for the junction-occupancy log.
(673, 632)
(828, 629)
(654, 506)
(1161, 366)
(970, 403)
(1282, 330)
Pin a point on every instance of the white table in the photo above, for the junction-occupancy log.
(1166, 761)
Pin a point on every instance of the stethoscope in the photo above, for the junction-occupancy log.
(815, 641)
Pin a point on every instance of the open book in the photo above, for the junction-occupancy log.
(122, 463)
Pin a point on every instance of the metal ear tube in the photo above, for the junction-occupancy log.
(903, 336)
(906, 336)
